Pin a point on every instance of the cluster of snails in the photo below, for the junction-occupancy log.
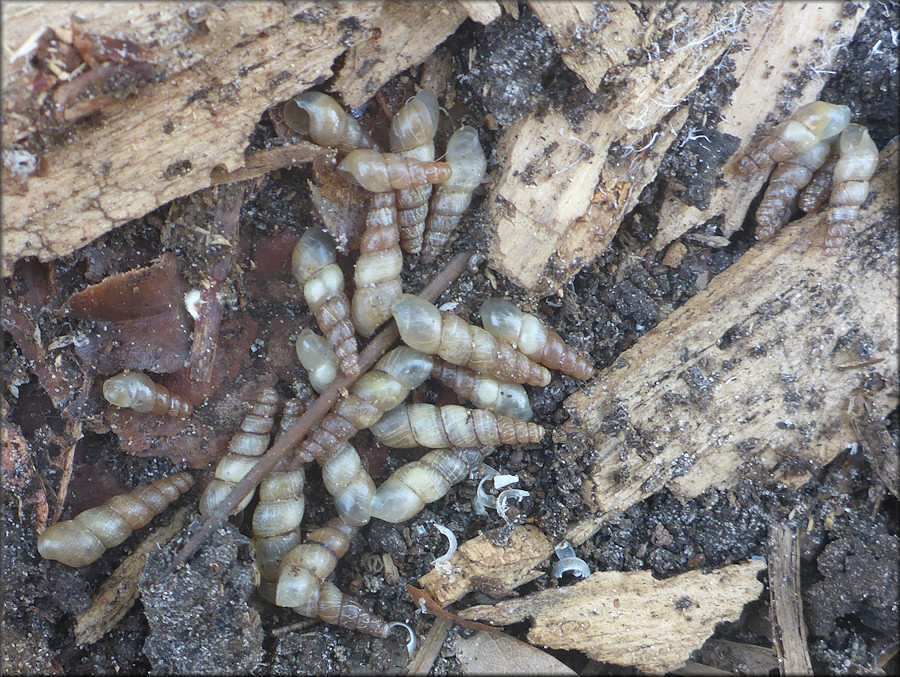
(485, 366)
(818, 155)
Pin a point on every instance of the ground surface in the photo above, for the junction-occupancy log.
(849, 549)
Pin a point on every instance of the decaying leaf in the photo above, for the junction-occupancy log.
(497, 654)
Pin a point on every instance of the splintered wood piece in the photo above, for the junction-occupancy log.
(482, 11)
(630, 618)
(119, 592)
(592, 37)
(401, 37)
(504, 567)
(187, 127)
(561, 195)
(786, 608)
(744, 380)
(491, 653)
(807, 36)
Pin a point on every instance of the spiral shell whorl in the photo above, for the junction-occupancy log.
(314, 265)
(348, 482)
(81, 540)
(381, 172)
(318, 358)
(244, 450)
(818, 190)
(855, 166)
(506, 399)
(451, 199)
(305, 567)
(434, 427)
(412, 135)
(324, 121)
(377, 272)
(418, 483)
(384, 387)
(135, 390)
(425, 328)
(532, 337)
(814, 122)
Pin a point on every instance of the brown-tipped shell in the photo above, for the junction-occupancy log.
(304, 568)
(418, 483)
(381, 172)
(377, 272)
(528, 334)
(500, 397)
(855, 166)
(434, 427)
(452, 198)
(392, 378)
(327, 124)
(135, 390)
(814, 122)
(425, 328)
(244, 450)
(81, 540)
(412, 136)
(314, 265)
(818, 190)
(788, 178)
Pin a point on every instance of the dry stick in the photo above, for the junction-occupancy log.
(376, 348)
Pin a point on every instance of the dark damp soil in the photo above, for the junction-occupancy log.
(210, 620)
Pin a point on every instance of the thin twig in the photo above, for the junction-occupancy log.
(427, 654)
(73, 435)
(291, 438)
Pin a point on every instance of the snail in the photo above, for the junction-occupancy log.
(327, 124)
(858, 157)
(814, 122)
(81, 540)
(348, 482)
(135, 390)
(430, 426)
(381, 172)
(506, 399)
(244, 450)
(277, 517)
(788, 178)
(451, 198)
(384, 387)
(302, 587)
(535, 339)
(418, 483)
(818, 190)
(377, 272)
(412, 135)
(425, 328)
(317, 356)
(314, 265)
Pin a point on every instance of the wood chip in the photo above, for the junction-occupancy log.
(630, 618)
(786, 608)
(561, 196)
(119, 592)
(482, 11)
(741, 381)
(478, 558)
(592, 37)
(402, 36)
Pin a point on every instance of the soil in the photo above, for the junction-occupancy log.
(210, 620)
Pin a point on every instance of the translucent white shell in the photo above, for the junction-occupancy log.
(317, 356)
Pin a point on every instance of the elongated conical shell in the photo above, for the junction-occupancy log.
(81, 540)
(425, 328)
(528, 334)
(858, 158)
(136, 390)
